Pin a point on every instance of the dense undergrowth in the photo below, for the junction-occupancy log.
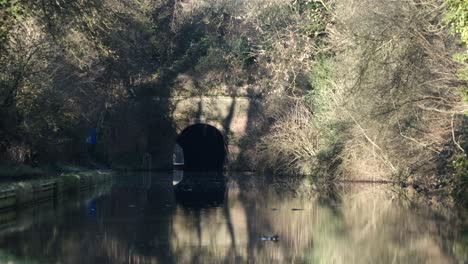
(387, 100)
(368, 90)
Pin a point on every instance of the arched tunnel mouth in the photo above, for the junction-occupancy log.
(204, 148)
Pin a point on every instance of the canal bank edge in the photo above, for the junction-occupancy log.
(24, 193)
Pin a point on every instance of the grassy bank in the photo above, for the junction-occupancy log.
(22, 193)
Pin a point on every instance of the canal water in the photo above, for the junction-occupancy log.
(242, 218)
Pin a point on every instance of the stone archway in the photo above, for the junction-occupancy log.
(204, 148)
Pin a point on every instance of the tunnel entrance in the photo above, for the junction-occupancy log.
(204, 148)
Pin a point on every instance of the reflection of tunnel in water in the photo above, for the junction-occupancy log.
(204, 148)
(201, 190)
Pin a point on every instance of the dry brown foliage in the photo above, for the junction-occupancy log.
(402, 94)
(292, 143)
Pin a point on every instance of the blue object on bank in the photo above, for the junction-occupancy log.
(91, 138)
(91, 208)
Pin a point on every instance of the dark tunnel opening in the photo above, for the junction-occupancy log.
(204, 148)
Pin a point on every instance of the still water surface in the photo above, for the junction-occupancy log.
(142, 218)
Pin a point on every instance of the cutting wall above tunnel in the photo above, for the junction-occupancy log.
(143, 133)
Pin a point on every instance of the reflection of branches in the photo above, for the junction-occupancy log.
(328, 192)
(227, 216)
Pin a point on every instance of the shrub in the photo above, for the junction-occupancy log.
(291, 145)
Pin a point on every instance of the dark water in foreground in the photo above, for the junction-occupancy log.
(139, 218)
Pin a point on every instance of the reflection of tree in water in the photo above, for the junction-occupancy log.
(339, 224)
(142, 223)
(373, 228)
(231, 233)
(204, 218)
(136, 223)
(38, 238)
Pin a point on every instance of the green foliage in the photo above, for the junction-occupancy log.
(464, 93)
(460, 171)
(321, 77)
(320, 17)
(10, 11)
(463, 74)
(242, 50)
(456, 17)
(460, 165)
(214, 58)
